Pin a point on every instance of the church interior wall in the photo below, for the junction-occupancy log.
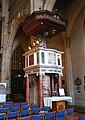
(75, 30)
(77, 58)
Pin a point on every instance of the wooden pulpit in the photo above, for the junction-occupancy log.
(58, 105)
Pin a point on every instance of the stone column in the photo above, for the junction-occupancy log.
(69, 74)
(49, 4)
(27, 89)
(6, 70)
(68, 66)
(35, 5)
(52, 79)
(40, 91)
(6, 51)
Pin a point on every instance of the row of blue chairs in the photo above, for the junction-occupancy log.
(12, 109)
(22, 104)
(50, 116)
(24, 109)
(4, 112)
(33, 111)
(38, 118)
(59, 115)
(45, 116)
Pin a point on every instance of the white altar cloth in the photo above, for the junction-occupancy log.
(2, 98)
(48, 100)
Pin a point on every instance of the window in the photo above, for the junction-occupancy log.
(42, 57)
(37, 58)
(58, 61)
(31, 60)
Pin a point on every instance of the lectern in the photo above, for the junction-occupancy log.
(58, 105)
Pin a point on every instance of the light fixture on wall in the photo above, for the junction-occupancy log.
(29, 47)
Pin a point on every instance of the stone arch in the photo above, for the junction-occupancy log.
(73, 13)
(14, 28)
(78, 27)
(76, 53)
(20, 39)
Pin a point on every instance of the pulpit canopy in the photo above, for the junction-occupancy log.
(44, 22)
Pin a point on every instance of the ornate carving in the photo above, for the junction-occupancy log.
(78, 81)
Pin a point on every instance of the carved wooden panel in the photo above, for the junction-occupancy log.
(58, 105)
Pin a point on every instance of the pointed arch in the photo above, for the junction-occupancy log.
(73, 13)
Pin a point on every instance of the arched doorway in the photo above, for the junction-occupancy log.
(17, 75)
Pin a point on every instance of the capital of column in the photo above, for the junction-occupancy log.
(26, 76)
(40, 74)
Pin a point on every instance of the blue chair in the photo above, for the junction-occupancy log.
(82, 118)
(25, 113)
(25, 107)
(9, 102)
(46, 109)
(2, 116)
(24, 104)
(12, 115)
(50, 116)
(4, 110)
(38, 117)
(16, 105)
(35, 111)
(25, 118)
(1, 105)
(6, 106)
(13, 109)
(60, 115)
(69, 113)
(34, 106)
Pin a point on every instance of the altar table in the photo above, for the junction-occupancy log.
(48, 100)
